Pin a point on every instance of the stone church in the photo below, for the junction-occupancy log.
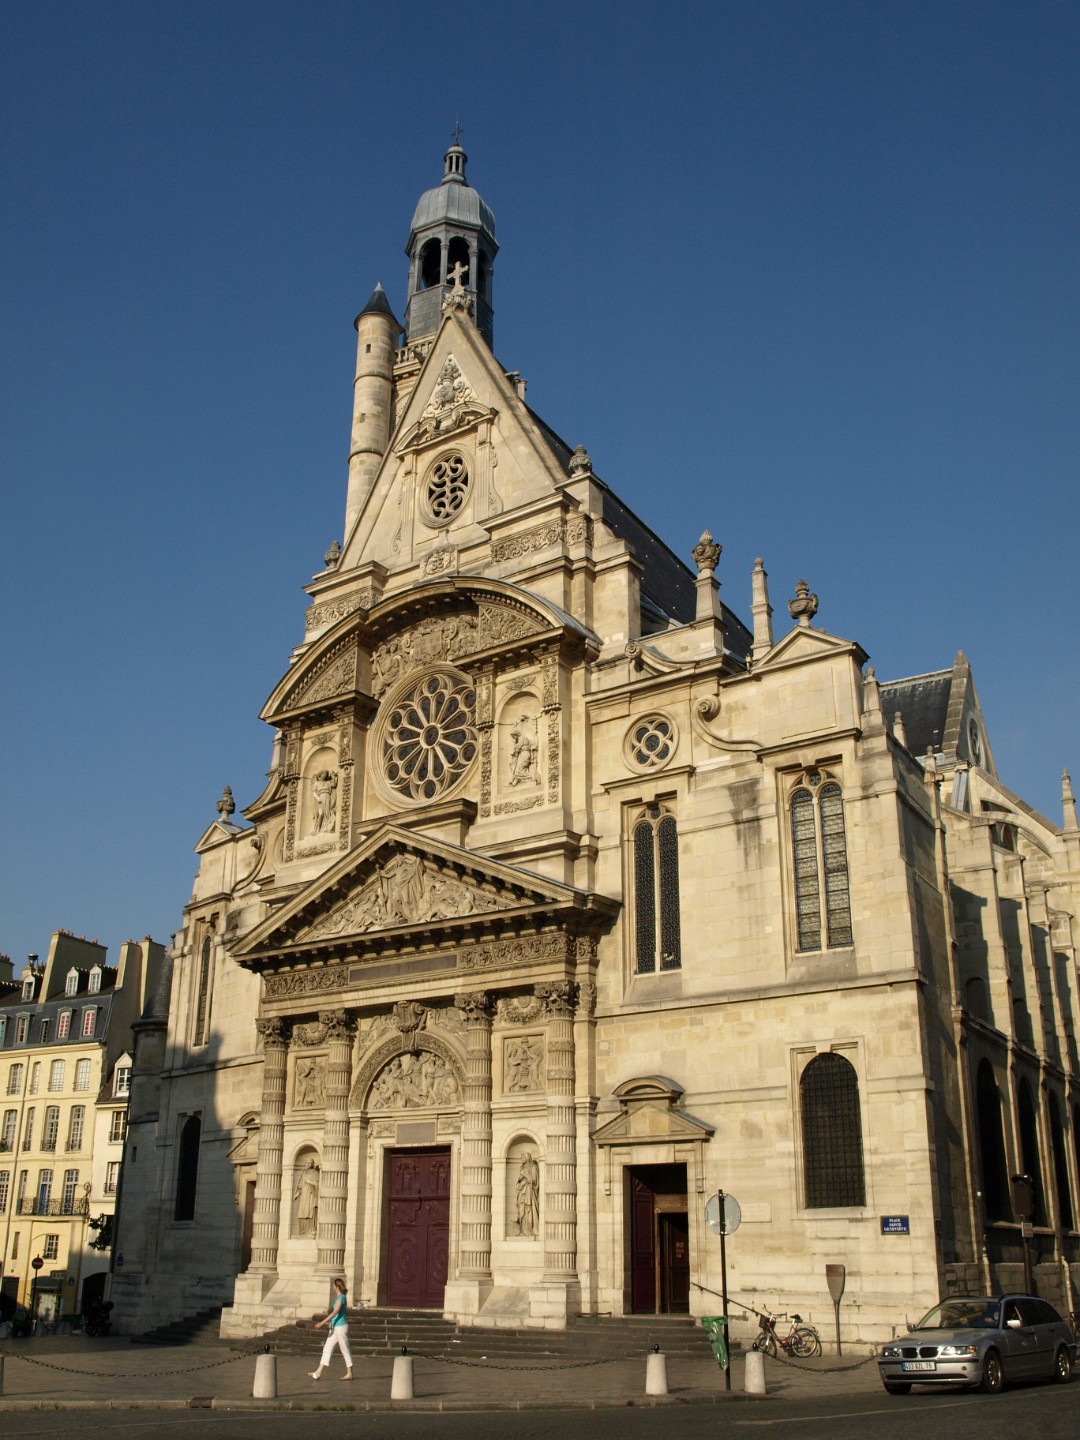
(572, 900)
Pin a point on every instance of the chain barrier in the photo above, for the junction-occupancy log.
(781, 1354)
(534, 1369)
(126, 1374)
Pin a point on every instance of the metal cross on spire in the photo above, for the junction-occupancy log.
(458, 130)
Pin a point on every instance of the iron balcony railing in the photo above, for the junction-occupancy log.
(79, 1206)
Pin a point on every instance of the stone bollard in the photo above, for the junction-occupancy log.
(656, 1372)
(265, 1377)
(754, 1373)
(401, 1386)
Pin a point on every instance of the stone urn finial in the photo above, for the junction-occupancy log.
(804, 607)
(226, 805)
(580, 464)
(332, 556)
(706, 552)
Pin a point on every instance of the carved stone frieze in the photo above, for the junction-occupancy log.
(331, 611)
(312, 1033)
(335, 675)
(443, 560)
(541, 537)
(305, 982)
(406, 890)
(510, 807)
(448, 637)
(520, 951)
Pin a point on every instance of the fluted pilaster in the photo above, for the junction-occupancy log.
(560, 1162)
(333, 1189)
(267, 1217)
(476, 1138)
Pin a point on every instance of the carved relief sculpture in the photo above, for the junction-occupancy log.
(524, 1065)
(324, 788)
(523, 757)
(414, 1081)
(310, 1080)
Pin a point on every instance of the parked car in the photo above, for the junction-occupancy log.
(984, 1341)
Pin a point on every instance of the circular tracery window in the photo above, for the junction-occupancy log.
(430, 737)
(447, 487)
(651, 742)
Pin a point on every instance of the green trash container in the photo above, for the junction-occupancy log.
(715, 1326)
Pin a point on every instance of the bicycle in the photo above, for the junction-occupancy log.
(801, 1339)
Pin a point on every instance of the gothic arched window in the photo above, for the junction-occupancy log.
(656, 891)
(819, 846)
(1029, 1149)
(831, 1133)
(430, 265)
(187, 1168)
(1061, 1164)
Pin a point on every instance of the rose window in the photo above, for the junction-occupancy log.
(651, 742)
(430, 737)
(447, 487)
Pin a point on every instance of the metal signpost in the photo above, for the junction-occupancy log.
(37, 1263)
(722, 1215)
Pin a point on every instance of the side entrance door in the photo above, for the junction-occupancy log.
(418, 1227)
(658, 1236)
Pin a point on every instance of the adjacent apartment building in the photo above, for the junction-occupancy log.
(65, 1073)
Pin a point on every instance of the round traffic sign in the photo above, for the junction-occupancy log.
(725, 1220)
(37, 1262)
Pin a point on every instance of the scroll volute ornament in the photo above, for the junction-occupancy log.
(475, 1005)
(272, 1030)
(559, 997)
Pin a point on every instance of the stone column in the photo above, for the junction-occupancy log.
(267, 1217)
(333, 1187)
(560, 1163)
(475, 1249)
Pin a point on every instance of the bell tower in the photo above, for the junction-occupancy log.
(451, 249)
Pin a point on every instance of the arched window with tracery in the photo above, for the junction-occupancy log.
(819, 853)
(833, 1172)
(1061, 1163)
(1028, 1126)
(657, 930)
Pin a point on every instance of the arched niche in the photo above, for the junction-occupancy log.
(523, 1168)
(304, 1204)
(519, 756)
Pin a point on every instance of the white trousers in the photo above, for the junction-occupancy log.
(339, 1335)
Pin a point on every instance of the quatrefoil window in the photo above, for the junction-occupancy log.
(429, 739)
(651, 742)
(447, 488)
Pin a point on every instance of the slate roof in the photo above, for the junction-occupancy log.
(923, 702)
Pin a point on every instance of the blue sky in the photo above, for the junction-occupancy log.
(801, 273)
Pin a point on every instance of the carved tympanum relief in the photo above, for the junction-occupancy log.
(447, 637)
(414, 1081)
(405, 891)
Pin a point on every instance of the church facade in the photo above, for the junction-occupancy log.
(572, 900)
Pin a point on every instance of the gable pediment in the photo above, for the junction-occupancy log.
(398, 889)
(649, 1114)
(803, 644)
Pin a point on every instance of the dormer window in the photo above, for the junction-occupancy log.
(71, 984)
(28, 987)
(122, 1080)
(89, 1021)
(94, 984)
(22, 1026)
(63, 1024)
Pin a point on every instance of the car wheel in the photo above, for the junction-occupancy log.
(1062, 1366)
(895, 1387)
(993, 1377)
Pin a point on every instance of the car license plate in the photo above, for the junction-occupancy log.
(919, 1365)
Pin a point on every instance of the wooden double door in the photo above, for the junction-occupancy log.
(417, 1232)
(658, 1232)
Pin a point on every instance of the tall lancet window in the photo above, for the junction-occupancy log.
(657, 942)
(202, 995)
(819, 845)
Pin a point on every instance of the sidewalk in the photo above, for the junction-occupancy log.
(72, 1371)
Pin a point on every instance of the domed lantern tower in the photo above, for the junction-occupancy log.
(451, 249)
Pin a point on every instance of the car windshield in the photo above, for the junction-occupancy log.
(962, 1315)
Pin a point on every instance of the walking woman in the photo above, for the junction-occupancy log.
(337, 1323)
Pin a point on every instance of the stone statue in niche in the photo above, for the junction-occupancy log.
(524, 1059)
(324, 789)
(308, 1088)
(411, 1081)
(523, 747)
(528, 1196)
(306, 1196)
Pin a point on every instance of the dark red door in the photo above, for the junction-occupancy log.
(418, 1229)
(642, 1247)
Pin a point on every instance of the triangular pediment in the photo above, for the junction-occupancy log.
(463, 402)
(649, 1114)
(398, 888)
(804, 643)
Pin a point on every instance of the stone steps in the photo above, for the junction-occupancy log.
(202, 1328)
